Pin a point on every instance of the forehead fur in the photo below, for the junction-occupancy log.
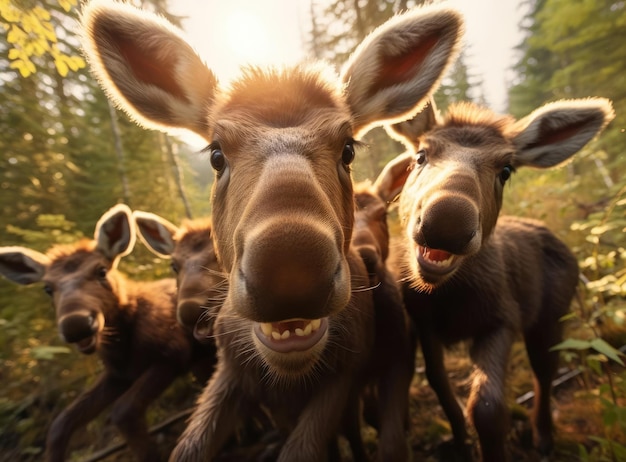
(70, 256)
(282, 97)
(472, 125)
(200, 227)
(65, 250)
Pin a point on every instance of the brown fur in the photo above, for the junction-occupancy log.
(281, 142)
(394, 358)
(130, 325)
(200, 280)
(495, 278)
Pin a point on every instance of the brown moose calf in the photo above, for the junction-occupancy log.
(294, 331)
(130, 325)
(200, 280)
(468, 275)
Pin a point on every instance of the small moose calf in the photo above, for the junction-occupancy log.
(468, 275)
(200, 280)
(130, 325)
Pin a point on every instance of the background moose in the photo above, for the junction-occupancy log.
(131, 325)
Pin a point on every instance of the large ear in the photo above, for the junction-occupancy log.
(556, 131)
(21, 265)
(146, 67)
(391, 180)
(115, 232)
(408, 131)
(155, 232)
(398, 66)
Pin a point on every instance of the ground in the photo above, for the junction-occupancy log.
(577, 415)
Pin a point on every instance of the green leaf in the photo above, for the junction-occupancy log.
(48, 352)
(572, 344)
(603, 347)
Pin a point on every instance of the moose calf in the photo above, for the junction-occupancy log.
(294, 330)
(199, 277)
(130, 325)
(468, 275)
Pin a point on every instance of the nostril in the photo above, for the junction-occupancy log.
(189, 313)
(78, 326)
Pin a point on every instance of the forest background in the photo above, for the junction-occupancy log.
(66, 156)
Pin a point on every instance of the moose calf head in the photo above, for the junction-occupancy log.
(76, 277)
(190, 247)
(455, 178)
(281, 142)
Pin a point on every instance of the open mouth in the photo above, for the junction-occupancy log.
(87, 345)
(435, 261)
(291, 335)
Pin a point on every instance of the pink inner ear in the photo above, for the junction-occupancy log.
(398, 69)
(555, 136)
(148, 70)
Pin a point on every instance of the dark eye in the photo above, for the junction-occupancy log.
(48, 289)
(347, 156)
(174, 267)
(420, 156)
(218, 161)
(101, 272)
(506, 173)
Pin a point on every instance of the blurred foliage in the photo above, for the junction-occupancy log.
(573, 51)
(31, 33)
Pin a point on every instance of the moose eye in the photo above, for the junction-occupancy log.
(347, 156)
(506, 173)
(420, 156)
(48, 289)
(101, 272)
(174, 267)
(217, 159)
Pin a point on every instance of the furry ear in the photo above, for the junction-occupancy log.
(408, 131)
(21, 265)
(556, 131)
(146, 67)
(391, 180)
(399, 65)
(156, 233)
(115, 233)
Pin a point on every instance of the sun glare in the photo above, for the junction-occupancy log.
(247, 38)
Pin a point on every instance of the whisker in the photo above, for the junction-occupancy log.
(365, 288)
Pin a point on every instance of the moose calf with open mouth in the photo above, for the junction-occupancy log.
(294, 330)
(468, 275)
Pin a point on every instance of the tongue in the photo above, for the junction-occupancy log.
(438, 255)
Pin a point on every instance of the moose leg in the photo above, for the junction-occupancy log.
(83, 410)
(352, 428)
(129, 412)
(544, 363)
(397, 363)
(319, 422)
(433, 353)
(216, 415)
(486, 403)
